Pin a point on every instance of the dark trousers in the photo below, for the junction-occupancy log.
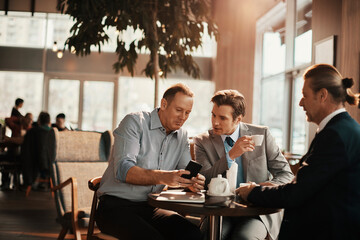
(125, 219)
(5, 176)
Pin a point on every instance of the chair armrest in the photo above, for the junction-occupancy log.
(63, 184)
(74, 203)
(94, 183)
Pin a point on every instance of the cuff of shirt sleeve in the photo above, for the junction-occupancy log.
(123, 170)
(229, 160)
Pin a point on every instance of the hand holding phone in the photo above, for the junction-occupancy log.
(194, 168)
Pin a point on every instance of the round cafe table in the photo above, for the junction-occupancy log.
(213, 207)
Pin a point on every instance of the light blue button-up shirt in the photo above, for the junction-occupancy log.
(141, 140)
(234, 136)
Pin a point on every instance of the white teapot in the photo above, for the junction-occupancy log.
(219, 186)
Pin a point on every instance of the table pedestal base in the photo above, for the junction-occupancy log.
(215, 223)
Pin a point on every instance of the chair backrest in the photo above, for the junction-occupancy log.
(78, 154)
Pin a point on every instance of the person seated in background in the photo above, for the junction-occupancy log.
(150, 151)
(15, 110)
(229, 141)
(13, 145)
(60, 122)
(323, 200)
(19, 125)
(34, 151)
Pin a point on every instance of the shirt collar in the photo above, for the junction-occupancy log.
(328, 118)
(156, 123)
(234, 136)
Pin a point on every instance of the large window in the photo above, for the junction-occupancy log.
(303, 32)
(273, 54)
(64, 98)
(91, 101)
(137, 94)
(285, 53)
(200, 117)
(98, 105)
(272, 103)
(27, 86)
(298, 130)
(20, 29)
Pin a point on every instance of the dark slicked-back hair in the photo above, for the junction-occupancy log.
(179, 87)
(19, 101)
(231, 98)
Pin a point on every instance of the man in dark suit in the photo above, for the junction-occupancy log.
(15, 110)
(323, 201)
(262, 164)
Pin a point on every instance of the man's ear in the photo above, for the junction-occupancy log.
(238, 119)
(163, 104)
(323, 94)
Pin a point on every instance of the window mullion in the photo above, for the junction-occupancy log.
(290, 34)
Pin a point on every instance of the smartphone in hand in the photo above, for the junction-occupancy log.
(194, 169)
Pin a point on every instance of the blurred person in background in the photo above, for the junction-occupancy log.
(15, 110)
(60, 122)
(19, 127)
(34, 151)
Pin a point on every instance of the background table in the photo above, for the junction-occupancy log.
(233, 208)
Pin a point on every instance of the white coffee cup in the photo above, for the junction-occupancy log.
(219, 186)
(244, 184)
(258, 139)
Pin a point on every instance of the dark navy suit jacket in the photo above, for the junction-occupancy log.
(323, 201)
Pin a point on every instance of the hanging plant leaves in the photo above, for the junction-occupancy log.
(172, 29)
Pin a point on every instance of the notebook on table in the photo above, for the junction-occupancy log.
(180, 196)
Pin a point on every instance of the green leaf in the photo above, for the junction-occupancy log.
(180, 30)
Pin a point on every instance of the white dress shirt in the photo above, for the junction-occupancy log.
(328, 118)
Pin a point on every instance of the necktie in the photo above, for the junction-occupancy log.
(240, 176)
(229, 141)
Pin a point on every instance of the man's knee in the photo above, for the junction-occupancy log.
(183, 229)
(250, 229)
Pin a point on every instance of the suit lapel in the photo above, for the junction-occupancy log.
(305, 157)
(218, 144)
(244, 130)
(332, 121)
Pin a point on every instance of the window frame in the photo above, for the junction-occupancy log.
(291, 72)
(82, 78)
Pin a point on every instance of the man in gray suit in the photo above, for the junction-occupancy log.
(229, 141)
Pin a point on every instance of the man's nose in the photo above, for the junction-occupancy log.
(183, 115)
(301, 102)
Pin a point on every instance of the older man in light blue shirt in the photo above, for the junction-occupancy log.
(150, 151)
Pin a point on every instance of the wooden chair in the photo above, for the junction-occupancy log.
(94, 184)
(75, 157)
(39, 180)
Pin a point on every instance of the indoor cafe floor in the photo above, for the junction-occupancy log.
(31, 217)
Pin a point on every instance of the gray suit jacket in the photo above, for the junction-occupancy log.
(265, 164)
